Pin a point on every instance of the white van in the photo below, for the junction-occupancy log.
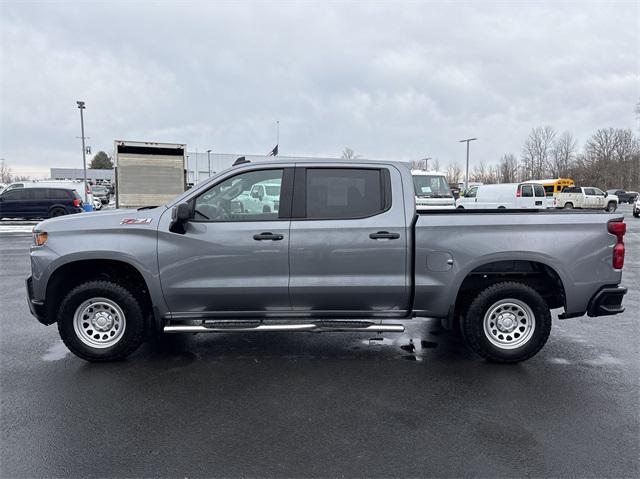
(506, 195)
(69, 184)
(432, 190)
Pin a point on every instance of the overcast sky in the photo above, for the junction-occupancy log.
(391, 80)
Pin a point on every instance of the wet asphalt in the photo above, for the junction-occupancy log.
(320, 405)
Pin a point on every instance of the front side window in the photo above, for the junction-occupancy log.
(338, 193)
(250, 196)
(471, 193)
(539, 190)
(589, 191)
(15, 194)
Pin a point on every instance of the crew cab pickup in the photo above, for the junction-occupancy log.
(345, 251)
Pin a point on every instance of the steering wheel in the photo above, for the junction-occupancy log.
(212, 212)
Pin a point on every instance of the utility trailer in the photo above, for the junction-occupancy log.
(148, 173)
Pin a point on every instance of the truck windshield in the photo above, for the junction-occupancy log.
(431, 186)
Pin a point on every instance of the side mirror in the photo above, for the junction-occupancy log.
(179, 217)
(606, 194)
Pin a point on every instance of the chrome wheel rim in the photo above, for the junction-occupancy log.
(99, 322)
(509, 323)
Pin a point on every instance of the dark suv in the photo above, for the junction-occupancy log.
(624, 196)
(39, 203)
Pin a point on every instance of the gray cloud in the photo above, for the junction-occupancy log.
(391, 80)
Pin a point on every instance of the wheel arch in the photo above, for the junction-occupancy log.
(535, 272)
(73, 273)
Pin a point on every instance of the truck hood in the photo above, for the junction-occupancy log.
(97, 220)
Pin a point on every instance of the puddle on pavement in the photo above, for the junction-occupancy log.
(413, 347)
(56, 352)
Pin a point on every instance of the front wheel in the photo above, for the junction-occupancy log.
(568, 206)
(101, 321)
(611, 207)
(507, 322)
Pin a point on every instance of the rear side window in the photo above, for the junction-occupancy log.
(549, 190)
(38, 194)
(339, 193)
(58, 194)
(527, 191)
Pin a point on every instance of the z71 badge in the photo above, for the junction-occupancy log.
(135, 221)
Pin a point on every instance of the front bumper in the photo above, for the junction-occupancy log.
(607, 301)
(37, 308)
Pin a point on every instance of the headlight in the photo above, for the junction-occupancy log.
(39, 238)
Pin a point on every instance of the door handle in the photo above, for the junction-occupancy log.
(268, 236)
(384, 235)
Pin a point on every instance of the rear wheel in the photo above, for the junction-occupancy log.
(57, 212)
(507, 322)
(101, 321)
(568, 206)
(636, 213)
(611, 207)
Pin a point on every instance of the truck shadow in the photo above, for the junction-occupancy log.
(423, 340)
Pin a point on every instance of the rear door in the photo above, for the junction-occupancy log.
(526, 198)
(348, 246)
(540, 196)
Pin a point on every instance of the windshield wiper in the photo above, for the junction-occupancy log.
(147, 207)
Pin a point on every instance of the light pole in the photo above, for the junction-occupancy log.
(209, 161)
(466, 176)
(81, 107)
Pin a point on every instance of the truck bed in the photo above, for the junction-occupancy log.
(451, 245)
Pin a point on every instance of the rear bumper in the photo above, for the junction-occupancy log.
(607, 301)
(37, 308)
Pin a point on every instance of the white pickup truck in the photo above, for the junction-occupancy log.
(587, 198)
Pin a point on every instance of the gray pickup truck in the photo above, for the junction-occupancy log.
(340, 249)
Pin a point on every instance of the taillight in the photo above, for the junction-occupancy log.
(519, 192)
(618, 228)
(76, 202)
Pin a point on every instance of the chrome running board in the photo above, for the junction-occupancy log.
(339, 326)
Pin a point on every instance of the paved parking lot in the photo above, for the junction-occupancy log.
(308, 405)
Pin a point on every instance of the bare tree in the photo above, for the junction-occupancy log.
(536, 151)
(563, 155)
(436, 164)
(5, 172)
(349, 154)
(508, 168)
(454, 173)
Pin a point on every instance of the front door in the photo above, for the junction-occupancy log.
(348, 249)
(233, 256)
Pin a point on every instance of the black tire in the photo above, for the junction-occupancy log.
(57, 212)
(568, 206)
(636, 213)
(460, 207)
(612, 206)
(129, 340)
(479, 341)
